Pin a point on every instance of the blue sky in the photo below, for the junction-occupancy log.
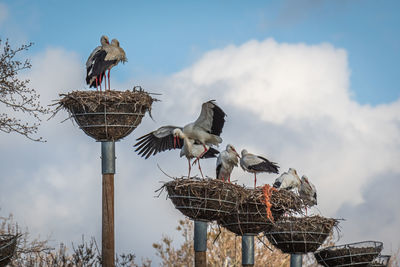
(162, 37)
(309, 84)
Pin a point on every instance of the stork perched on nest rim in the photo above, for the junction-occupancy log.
(308, 192)
(226, 161)
(288, 180)
(195, 139)
(256, 164)
(103, 58)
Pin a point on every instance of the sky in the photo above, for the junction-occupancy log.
(309, 84)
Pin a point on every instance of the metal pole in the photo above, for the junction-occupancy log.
(296, 260)
(248, 250)
(200, 243)
(108, 171)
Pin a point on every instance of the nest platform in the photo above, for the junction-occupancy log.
(251, 215)
(203, 199)
(358, 254)
(300, 234)
(8, 244)
(109, 115)
(381, 261)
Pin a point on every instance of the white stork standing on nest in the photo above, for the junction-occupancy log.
(195, 139)
(92, 78)
(103, 58)
(308, 192)
(226, 161)
(288, 180)
(255, 164)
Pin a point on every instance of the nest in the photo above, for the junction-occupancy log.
(381, 261)
(251, 215)
(300, 234)
(203, 199)
(8, 244)
(109, 115)
(355, 254)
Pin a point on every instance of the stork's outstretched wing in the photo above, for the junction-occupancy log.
(212, 118)
(157, 141)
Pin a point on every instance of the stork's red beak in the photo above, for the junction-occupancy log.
(237, 154)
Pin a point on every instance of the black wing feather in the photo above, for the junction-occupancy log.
(98, 67)
(277, 184)
(211, 153)
(218, 120)
(218, 170)
(265, 166)
(150, 144)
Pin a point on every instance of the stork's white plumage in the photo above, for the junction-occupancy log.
(203, 132)
(288, 180)
(192, 150)
(101, 60)
(256, 164)
(308, 192)
(226, 161)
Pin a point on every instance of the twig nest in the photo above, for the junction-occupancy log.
(8, 244)
(300, 234)
(203, 199)
(252, 214)
(354, 254)
(109, 115)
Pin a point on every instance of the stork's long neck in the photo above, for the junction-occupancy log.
(186, 141)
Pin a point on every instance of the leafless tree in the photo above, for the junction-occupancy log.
(16, 98)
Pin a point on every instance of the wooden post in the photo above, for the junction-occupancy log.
(107, 237)
(108, 242)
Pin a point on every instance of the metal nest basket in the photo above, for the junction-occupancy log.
(381, 261)
(252, 215)
(109, 115)
(203, 199)
(300, 234)
(354, 254)
(8, 244)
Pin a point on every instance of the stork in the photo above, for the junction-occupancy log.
(102, 60)
(91, 77)
(203, 133)
(256, 164)
(288, 180)
(308, 192)
(226, 161)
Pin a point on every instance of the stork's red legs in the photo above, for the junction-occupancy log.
(201, 155)
(100, 82)
(255, 181)
(190, 167)
(109, 80)
(200, 170)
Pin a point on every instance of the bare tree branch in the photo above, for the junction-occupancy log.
(16, 96)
